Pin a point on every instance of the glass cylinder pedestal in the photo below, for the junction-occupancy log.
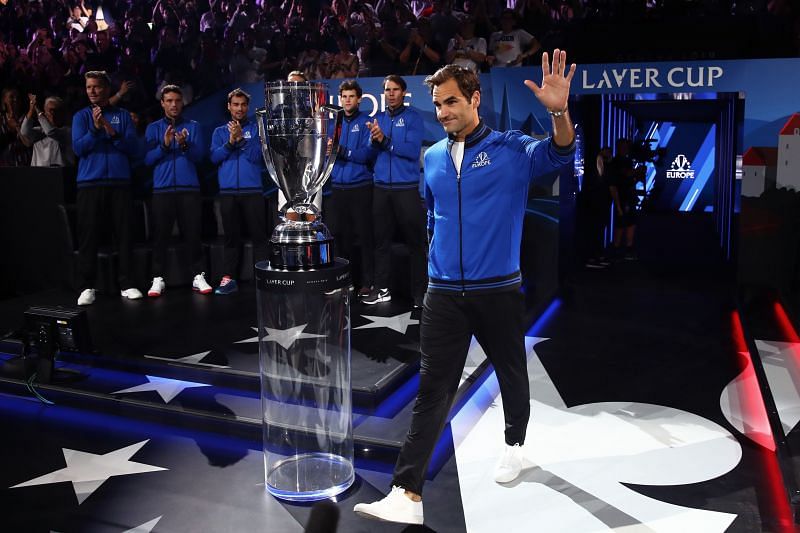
(304, 353)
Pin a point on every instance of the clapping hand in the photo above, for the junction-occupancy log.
(181, 137)
(375, 131)
(234, 132)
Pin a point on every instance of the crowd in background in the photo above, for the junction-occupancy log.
(203, 45)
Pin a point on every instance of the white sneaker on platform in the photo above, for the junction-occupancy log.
(200, 284)
(132, 293)
(157, 287)
(510, 464)
(395, 507)
(86, 297)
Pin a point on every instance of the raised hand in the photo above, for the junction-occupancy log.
(554, 90)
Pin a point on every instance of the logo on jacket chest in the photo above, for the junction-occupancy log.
(481, 160)
(355, 129)
(400, 123)
(247, 134)
(114, 119)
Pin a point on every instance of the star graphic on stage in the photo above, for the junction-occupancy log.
(285, 337)
(398, 323)
(147, 527)
(165, 387)
(194, 359)
(87, 471)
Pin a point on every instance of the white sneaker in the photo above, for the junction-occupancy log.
(200, 284)
(86, 297)
(395, 507)
(132, 293)
(157, 287)
(510, 464)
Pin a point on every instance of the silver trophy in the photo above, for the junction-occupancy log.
(299, 140)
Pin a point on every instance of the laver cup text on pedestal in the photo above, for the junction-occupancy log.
(299, 140)
(304, 297)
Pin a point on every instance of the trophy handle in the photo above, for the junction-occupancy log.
(337, 131)
(261, 114)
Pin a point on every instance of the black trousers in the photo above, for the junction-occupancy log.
(403, 208)
(448, 323)
(96, 207)
(348, 213)
(250, 208)
(185, 208)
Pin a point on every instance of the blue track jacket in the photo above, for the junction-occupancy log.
(174, 169)
(352, 164)
(397, 157)
(475, 215)
(103, 160)
(241, 165)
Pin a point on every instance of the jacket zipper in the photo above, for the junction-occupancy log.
(460, 227)
(391, 132)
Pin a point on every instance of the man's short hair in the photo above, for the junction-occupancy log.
(351, 85)
(394, 78)
(298, 73)
(466, 79)
(238, 92)
(170, 89)
(101, 75)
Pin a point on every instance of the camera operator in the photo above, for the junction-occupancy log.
(622, 178)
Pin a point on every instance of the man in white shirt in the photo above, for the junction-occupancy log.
(49, 134)
(509, 47)
(465, 49)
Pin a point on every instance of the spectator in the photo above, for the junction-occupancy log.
(48, 133)
(421, 54)
(175, 146)
(509, 47)
(344, 63)
(465, 49)
(103, 139)
(14, 152)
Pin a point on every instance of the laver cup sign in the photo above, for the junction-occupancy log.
(304, 296)
(299, 139)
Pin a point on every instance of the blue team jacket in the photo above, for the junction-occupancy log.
(240, 165)
(174, 169)
(103, 160)
(475, 215)
(397, 157)
(352, 164)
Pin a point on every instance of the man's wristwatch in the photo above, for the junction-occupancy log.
(557, 114)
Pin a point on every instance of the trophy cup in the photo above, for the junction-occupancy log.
(294, 128)
(304, 296)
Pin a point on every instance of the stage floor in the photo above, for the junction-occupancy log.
(635, 422)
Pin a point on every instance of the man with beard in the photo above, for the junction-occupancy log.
(236, 148)
(174, 146)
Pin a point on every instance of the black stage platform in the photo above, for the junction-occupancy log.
(641, 419)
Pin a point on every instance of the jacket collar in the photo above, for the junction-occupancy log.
(353, 116)
(477, 135)
(397, 111)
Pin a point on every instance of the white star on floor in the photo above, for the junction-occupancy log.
(194, 359)
(147, 527)
(287, 337)
(398, 323)
(165, 387)
(250, 339)
(87, 471)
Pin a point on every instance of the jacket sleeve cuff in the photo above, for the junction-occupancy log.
(563, 150)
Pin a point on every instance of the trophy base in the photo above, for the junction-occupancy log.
(301, 245)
